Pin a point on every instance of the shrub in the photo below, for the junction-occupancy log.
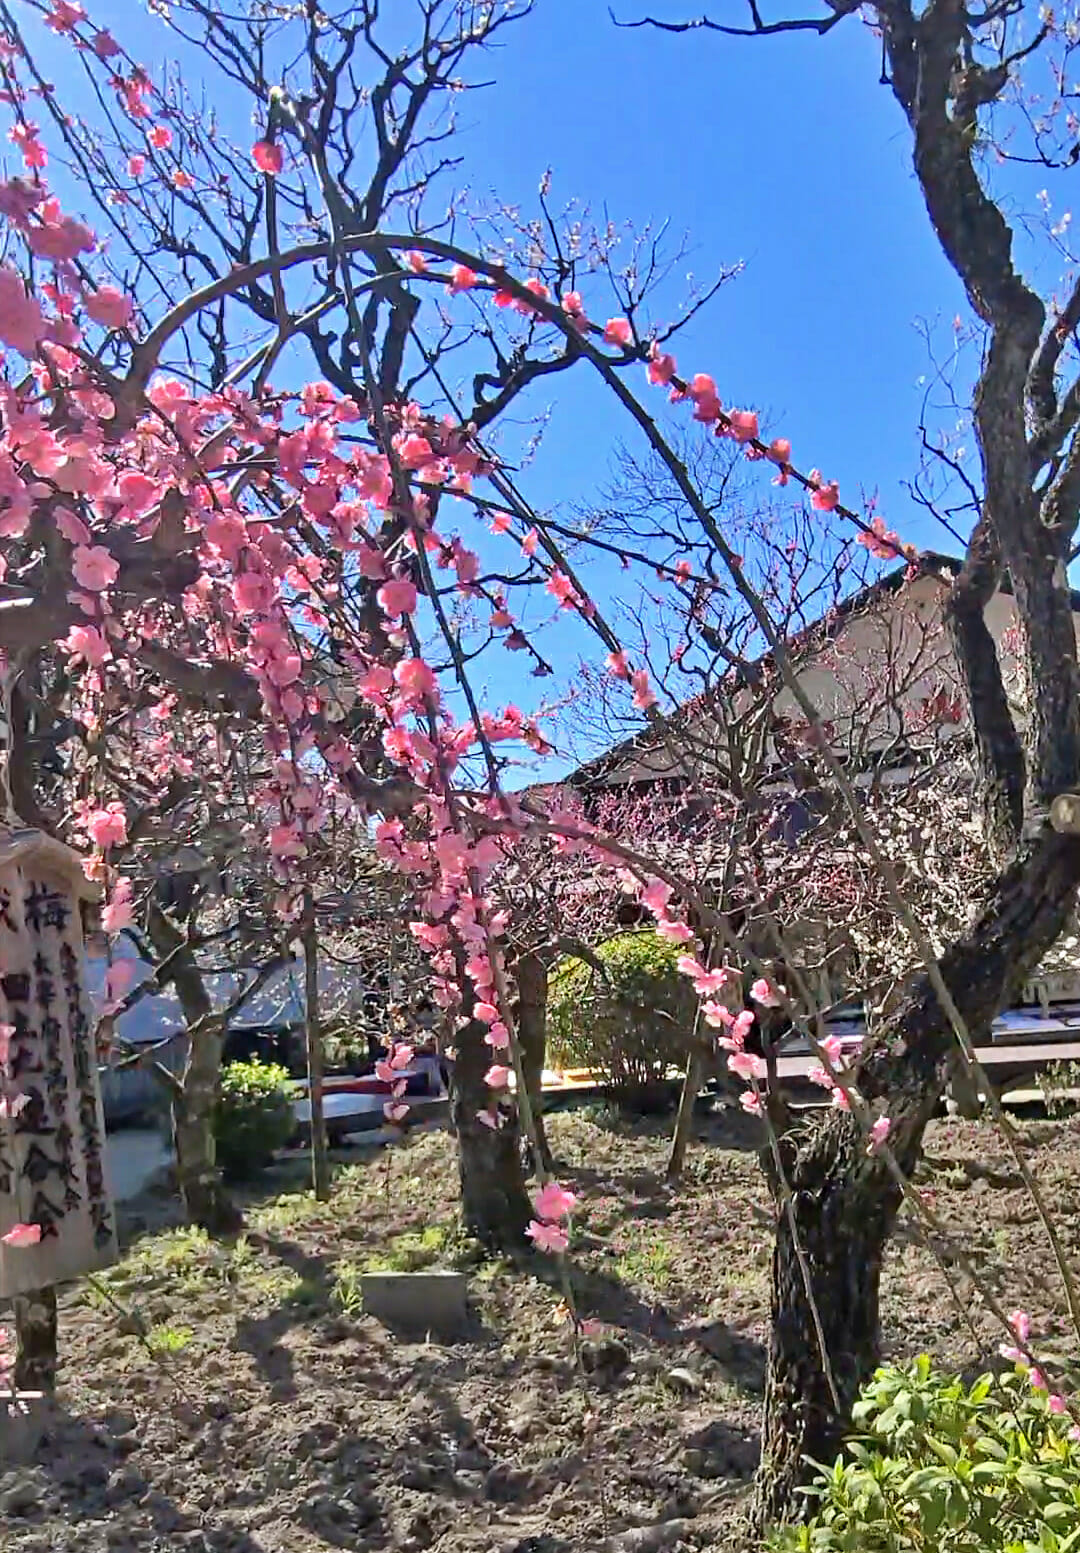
(947, 1468)
(254, 1116)
(630, 1026)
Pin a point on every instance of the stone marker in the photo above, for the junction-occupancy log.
(52, 1132)
(424, 1302)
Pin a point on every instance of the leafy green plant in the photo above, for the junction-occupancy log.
(165, 1339)
(253, 1118)
(631, 1024)
(1055, 1081)
(940, 1467)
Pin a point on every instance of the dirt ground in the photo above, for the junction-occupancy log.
(235, 1398)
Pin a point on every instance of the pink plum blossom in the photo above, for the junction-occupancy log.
(107, 827)
(553, 1201)
(766, 995)
(94, 568)
(21, 1235)
(547, 1237)
(267, 157)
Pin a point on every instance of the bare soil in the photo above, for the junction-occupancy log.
(234, 1397)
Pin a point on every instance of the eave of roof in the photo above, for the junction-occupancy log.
(931, 563)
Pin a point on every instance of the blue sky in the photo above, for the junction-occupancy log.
(784, 153)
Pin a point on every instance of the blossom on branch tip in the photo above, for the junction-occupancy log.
(497, 1076)
(267, 157)
(461, 279)
(617, 331)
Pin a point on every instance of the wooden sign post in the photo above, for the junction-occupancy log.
(52, 1131)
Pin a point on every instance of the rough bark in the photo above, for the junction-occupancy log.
(205, 1199)
(36, 1341)
(845, 1203)
(494, 1204)
(531, 975)
(997, 744)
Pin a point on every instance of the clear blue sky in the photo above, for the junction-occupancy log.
(784, 153)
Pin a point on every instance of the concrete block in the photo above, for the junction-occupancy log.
(435, 1302)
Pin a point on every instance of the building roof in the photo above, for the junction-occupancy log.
(930, 563)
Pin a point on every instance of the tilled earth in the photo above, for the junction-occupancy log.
(233, 1397)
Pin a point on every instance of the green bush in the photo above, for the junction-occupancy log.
(631, 1025)
(254, 1117)
(945, 1468)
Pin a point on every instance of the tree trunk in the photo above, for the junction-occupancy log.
(494, 1205)
(205, 1200)
(845, 1203)
(36, 1337)
(531, 975)
(207, 1203)
(695, 1069)
(842, 1229)
(320, 1163)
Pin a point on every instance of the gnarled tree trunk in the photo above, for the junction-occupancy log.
(494, 1204)
(844, 1201)
(205, 1199)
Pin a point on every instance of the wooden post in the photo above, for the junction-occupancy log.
(695, 1065)
(36, 1335)
(320, 1164)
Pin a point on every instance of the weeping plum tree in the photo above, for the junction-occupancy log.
(330, 561)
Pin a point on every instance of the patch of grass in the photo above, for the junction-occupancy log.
(177, 1258)
(346, 1293)
(439, 1245)
(285, 1212)
(602, 1114)
(651, 1264)
(277, 1283)
(164, 1339)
